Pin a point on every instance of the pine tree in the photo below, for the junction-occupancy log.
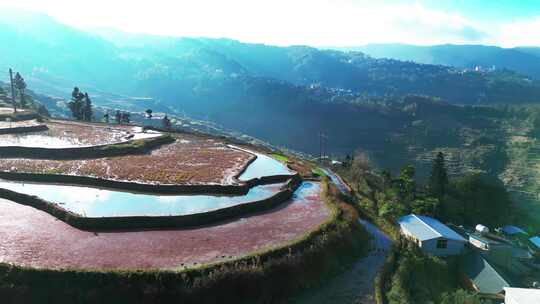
(20, 84)
(407, 184)
(87, 108)
(438, 180)
(76, 104)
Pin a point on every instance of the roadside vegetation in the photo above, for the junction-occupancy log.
(280, 157)
(410, 276)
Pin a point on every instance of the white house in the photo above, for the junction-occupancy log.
(432, 236)
(521, 295)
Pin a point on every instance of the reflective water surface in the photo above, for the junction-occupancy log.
(263, 166)
(95, 202)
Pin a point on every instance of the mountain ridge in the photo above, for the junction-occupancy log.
(525, 60)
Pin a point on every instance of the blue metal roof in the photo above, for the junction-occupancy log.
(426, 228)
(511, 230)
(536, 241)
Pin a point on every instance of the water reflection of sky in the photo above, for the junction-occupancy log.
(306, 190)
(93, 202)
(38, 140)
(263, 166)
(45, 140)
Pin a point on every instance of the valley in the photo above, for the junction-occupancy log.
(146, 166)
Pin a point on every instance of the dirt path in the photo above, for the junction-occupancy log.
(33, 238)
(355, 285)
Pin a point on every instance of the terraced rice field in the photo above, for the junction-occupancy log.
(68, 134)
(33, 238)
(95, 202)
(29, 237)
(189, 160)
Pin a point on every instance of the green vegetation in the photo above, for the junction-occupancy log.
(419, 278)
(468, 200)
(460, 296)
(20, 84)
(262, 277)
(438, 180)
(280, 157)
(80, 105)
(409, 276)
(475, 199)
(317, 171)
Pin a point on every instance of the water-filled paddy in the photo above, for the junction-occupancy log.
(72, 135)
(36, 239)
(94, 202)
(263, 166)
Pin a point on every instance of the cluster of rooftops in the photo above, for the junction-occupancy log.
(492, 263)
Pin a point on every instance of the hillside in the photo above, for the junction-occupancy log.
(283, 95)
(183, 70)
(525, 60)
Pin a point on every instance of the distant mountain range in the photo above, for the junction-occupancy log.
(525, 60)
(55, 57)
(283, 95)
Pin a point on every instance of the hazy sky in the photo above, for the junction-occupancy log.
(312, 22)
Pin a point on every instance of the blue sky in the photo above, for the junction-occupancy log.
(312, 22)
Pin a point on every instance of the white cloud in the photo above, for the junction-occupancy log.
(282, 22)
(524, 32)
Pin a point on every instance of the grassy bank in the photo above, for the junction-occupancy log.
(262, 277)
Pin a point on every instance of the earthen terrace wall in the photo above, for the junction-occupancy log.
(118, 149)
(19, 130)
(260, 277)
(139, 222)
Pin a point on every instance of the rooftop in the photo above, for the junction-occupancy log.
(522, 295)
(426, 228)
(511, 230)
(484, 276)
(535, 240)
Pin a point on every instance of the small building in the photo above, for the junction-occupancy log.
(482, 229)
(482, 276)
(512, 230)
(535, 242)
(521, 295)
(431, 236)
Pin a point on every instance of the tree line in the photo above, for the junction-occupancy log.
(18, 88)
(466, 200)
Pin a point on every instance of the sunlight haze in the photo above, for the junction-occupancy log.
(316, 23)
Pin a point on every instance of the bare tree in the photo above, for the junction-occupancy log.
(359, 167)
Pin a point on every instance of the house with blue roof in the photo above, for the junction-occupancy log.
(535, 242)
(512, 230)
(432, 236)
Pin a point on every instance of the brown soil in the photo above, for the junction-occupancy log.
(189, 160)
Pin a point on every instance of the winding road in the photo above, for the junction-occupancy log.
(356, 284)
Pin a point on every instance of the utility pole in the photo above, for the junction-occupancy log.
(320, 146)
(12, 91)
(322, 137)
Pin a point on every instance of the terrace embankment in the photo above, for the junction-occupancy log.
(116, 215)
(190, 163)
(23, 126)
(260, 258)
(34, 238)
(74, 140)
(20, 115)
